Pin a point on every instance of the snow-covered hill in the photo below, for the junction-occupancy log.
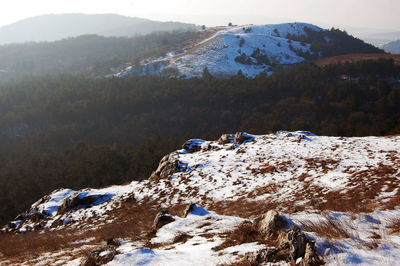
(250, 49)
(343, 193)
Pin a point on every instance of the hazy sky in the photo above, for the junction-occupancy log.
(383, 14)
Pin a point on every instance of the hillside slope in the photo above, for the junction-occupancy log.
(343, 193)
(392, 47)
(251, 49)
(60, 26)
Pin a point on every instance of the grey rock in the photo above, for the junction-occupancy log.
(167, 167)
(241, 137)
(226, 138)
(162, 218)
(193, 145)
(100, 256)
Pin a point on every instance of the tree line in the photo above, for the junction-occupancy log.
(77, 131)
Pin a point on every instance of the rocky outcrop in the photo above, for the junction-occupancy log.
(193, 145)
(238, 138)
(292, 246)
(296, 240)
(82, 200)
(269, 223)
(242, 137)
(100, 256)
(226, 138)
(167, 167)
(33, 215)
(162, 218)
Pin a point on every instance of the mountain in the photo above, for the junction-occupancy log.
(381, 38)
(392, 47)
(251, 49)
(92, 55)
(61, 26)
(284, 197)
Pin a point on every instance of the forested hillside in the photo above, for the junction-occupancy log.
(75, 131)
(89, 54)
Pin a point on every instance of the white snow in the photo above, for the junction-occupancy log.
(289, 169)
(218, 52)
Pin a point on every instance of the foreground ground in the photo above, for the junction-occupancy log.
(343, 193)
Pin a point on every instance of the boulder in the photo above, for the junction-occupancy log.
(226, 138)
(238, 138)
(167, 167)
(269, 223)
(162, 218)
(291, 245)
(297, 242)
(193, 145)
(311, 257)
(83, 200)
(242, 137)
(100, 256)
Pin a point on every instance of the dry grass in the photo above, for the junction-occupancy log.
(327, 228)
(132, 221)
(241, 207)
(181, 238)
(394, 226)
(245, 233)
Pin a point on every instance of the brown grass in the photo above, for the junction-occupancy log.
(132, 221)
(241, 207)
(327, 228)
(181, 238)
(245, 233)
(394, 226)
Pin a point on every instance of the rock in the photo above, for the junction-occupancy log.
(162, 218)
(196, 210)
(238, 138)
(193, 145)
(311, 257)
(297, 241)
(294, 247)
(41, 201)
(301, 137)
(226, 138)
(269, 223)
(242, 137)
(82, 200)
(167, 167)
(100, 256)
(113, 242)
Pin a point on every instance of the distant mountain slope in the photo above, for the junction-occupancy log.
(252, 50)
(56, 27)
(90, 54)
(353, 58)
(392, 47)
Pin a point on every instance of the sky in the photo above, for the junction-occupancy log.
(368, 14)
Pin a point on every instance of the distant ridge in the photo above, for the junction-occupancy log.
(392, 47)
(352, 58)
(59, 26)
